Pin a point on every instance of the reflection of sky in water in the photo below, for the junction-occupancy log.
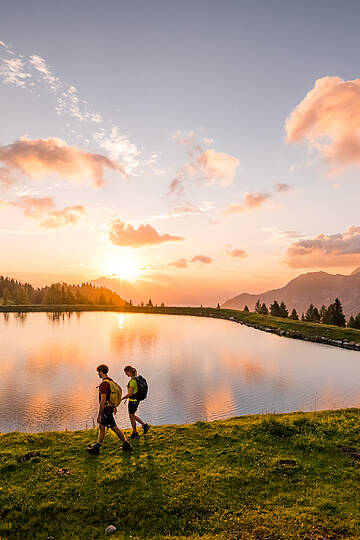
(197, 369)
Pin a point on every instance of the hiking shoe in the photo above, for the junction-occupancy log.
(94, 448)
(134, 435)
(146, 428)
(126, 446)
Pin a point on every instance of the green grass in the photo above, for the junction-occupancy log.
(207, 480)
(296, 329)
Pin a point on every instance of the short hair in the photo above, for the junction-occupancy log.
(102, 368)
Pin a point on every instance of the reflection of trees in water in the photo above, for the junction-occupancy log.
(55, 316)
(21, 316)
(6, 317)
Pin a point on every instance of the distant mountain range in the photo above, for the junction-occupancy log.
(316, 288)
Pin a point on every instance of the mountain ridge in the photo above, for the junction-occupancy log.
(316, 288)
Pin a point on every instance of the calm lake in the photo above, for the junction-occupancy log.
(197, 369)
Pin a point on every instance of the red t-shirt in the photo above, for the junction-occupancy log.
(104, 388)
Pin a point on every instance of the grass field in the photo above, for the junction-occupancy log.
(255, 477)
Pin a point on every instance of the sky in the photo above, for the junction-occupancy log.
(199, 145)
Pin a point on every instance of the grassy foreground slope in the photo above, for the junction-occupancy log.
(255, 477)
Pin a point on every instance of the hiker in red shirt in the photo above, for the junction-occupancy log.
(107, 407)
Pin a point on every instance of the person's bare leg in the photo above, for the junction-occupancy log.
(133, 422)
(119, 433)
(101, 435)
(138, 420)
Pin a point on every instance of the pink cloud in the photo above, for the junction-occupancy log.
(70, 215)
(180, 263)
(202, 258)
(41, 157)
(34, 207)
(208, 167)
(342, 249)
(251, 200)
(236, 253)
(328, 118)
(6, 179)
(122, 234)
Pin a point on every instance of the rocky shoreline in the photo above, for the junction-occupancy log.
(294, 334)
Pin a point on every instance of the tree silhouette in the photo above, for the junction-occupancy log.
(294, 315)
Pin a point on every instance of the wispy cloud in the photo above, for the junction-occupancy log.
(186, 209)
(12, 71)
(43, 207)
(118, 146)
(40, 157)
(206, 166)
(125, 235)
(237, 253)
(204, 259)
(70, 215)
(328, 118)
(282, 187)
(251, 200)
(184, 263)
(180, 263)
(254, 200)
(34, 74)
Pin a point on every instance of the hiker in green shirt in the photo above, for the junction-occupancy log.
(134, 398)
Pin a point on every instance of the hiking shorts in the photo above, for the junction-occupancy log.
(107, 419)
(132, 406)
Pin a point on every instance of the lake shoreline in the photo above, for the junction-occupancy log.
(282, 476)
(335, 336)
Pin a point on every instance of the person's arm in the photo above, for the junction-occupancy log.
(129, 394)
(101, 406)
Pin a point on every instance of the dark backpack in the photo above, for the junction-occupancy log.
(142, 388)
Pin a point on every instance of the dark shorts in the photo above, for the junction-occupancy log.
(107, 419)
(132, 406)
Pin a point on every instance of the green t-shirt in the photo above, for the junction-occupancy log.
(133, 384)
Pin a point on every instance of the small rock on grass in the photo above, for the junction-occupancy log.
(110, 529)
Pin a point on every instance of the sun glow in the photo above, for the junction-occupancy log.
(123, 267)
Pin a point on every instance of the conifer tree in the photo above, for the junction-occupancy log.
(264, 309)
(351, 322)
(303, 317)
(316, 315)
(294, 315)
(339, 317)
(258, 306)
(275, 309)
(283, 311)
(309, 313)
(246, 308)
(357, 321)
(323, 313)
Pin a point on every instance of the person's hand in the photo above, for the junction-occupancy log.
(98, 419)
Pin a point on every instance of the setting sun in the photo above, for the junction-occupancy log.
(123, 267)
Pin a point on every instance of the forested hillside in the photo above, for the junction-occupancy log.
(15, 292)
